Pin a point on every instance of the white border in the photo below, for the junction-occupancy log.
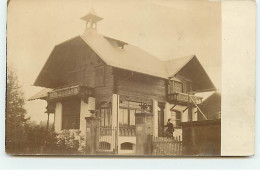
(7, 162)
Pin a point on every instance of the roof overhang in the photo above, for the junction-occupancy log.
(43, 94)
(195, 71)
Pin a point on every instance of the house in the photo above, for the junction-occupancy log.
(203, 137)
(97, 72)
(211, 107)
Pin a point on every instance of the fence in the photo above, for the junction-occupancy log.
(167, 146)
(106, 139)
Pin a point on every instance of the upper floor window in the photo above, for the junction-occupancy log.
(175, 87)
(100, 76)
(187, 86)
(180, 87)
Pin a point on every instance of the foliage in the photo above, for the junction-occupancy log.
(70, 142)
(22, 137)
(15, 114)
(39, 140)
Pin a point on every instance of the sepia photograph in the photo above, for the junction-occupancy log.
(114, 78)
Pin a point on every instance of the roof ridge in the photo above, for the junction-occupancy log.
(179, 57)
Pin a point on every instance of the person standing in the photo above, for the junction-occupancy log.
(170, 129)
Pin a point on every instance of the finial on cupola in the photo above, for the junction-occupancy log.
(91, 19)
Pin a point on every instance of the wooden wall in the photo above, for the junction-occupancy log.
(82, 71)
(139, 86)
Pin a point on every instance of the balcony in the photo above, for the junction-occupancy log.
(81, 91)
(183, 98)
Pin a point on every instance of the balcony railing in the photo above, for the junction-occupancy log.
(106, 131)
(70, 91)
(183, 98)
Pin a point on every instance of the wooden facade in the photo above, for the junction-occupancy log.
(91, 72)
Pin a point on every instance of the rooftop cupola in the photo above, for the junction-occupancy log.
(91, 20)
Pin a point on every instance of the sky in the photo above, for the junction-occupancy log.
(166, 29)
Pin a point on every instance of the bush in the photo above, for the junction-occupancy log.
(43, 141)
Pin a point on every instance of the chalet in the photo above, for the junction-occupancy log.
(114, 78)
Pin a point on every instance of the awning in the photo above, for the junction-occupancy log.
(43, 94)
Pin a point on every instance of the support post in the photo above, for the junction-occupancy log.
(144, 132)
(92, 124)
(48, 120)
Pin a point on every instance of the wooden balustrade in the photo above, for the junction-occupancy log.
(183, 98)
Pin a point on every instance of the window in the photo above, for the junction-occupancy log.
(105, 115)
(123, 116)
(71, 114)
(132, 117)
(176, 118)
(126, 146)
(100, 73)
(127, 112)
(177, 88)
(187, 86)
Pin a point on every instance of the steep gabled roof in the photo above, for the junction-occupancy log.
(213, 97)
(115, 53)
(173, 66)
(190, 67)
(129, 57)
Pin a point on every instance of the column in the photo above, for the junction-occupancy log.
(115, 123)
(115, 109)
(84, 112)
(167, 113)
(58, 117)
(155, 118)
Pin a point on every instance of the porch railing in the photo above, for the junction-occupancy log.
(107, 137)
(127, 131)
(167, 146)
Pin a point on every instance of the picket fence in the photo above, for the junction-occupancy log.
(167, 146)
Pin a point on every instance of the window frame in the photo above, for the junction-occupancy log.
(174, 87)
(109, 119)
(128, 108)
(177, 119)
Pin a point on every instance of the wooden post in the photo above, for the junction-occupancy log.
(144, 132)
(92, 124)
(48, 121)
